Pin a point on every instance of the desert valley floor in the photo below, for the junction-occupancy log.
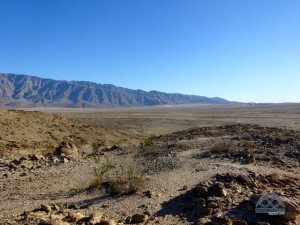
(197, 164)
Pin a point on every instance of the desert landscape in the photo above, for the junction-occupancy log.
(179, 164)
(149, 112)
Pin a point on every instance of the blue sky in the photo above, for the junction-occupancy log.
(243, 50)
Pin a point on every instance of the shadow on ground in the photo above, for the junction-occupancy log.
(181, 206)
(184, 206)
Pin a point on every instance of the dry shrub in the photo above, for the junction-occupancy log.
(100, 170)
(222, 147)
(127, 181)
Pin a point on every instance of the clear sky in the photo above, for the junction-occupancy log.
(242, 50)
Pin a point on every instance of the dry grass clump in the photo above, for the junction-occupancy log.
(222, 147)
(100, 171)
(127, 181)
(149, 141)
(119, 181)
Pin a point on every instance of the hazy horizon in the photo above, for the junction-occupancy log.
(245, 51)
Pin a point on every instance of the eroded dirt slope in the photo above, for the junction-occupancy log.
(28, 132)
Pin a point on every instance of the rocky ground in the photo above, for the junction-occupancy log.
(204, 175)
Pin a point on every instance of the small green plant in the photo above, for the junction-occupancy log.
(100, 170)
(95, 146)
(128, 181)
(149, 141)
(77, 190)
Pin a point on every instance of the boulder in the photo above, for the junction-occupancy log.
(67, 149)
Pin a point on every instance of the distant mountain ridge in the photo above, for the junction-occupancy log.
(32, 91)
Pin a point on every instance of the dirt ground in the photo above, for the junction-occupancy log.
(178, 149)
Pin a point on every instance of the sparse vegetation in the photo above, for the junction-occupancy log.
(149, 141)
(95, 146)
(77, 190)
(127, 181)
(100, 170)
(222, 147)
(122, 181)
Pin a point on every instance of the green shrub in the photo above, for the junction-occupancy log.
(100, 170)
(149, 141)
(128, 181)
(95, 146)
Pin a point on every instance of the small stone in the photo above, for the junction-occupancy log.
(23, 174)
(95, 218)
(139, 218)
(149, 193)
(75, 216)
(46, 208)
(65, 160)
(203, 221)
(147, 213)
(57, 208)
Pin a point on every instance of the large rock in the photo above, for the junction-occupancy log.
(67, 149)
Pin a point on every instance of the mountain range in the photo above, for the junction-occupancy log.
(31, 91)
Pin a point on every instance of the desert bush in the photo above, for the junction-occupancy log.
(77, 190)
(149, 141)
(221, 147)
(100, 170)
(127, 181)
(95, 146)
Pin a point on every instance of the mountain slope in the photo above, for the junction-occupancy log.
(29, 91)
